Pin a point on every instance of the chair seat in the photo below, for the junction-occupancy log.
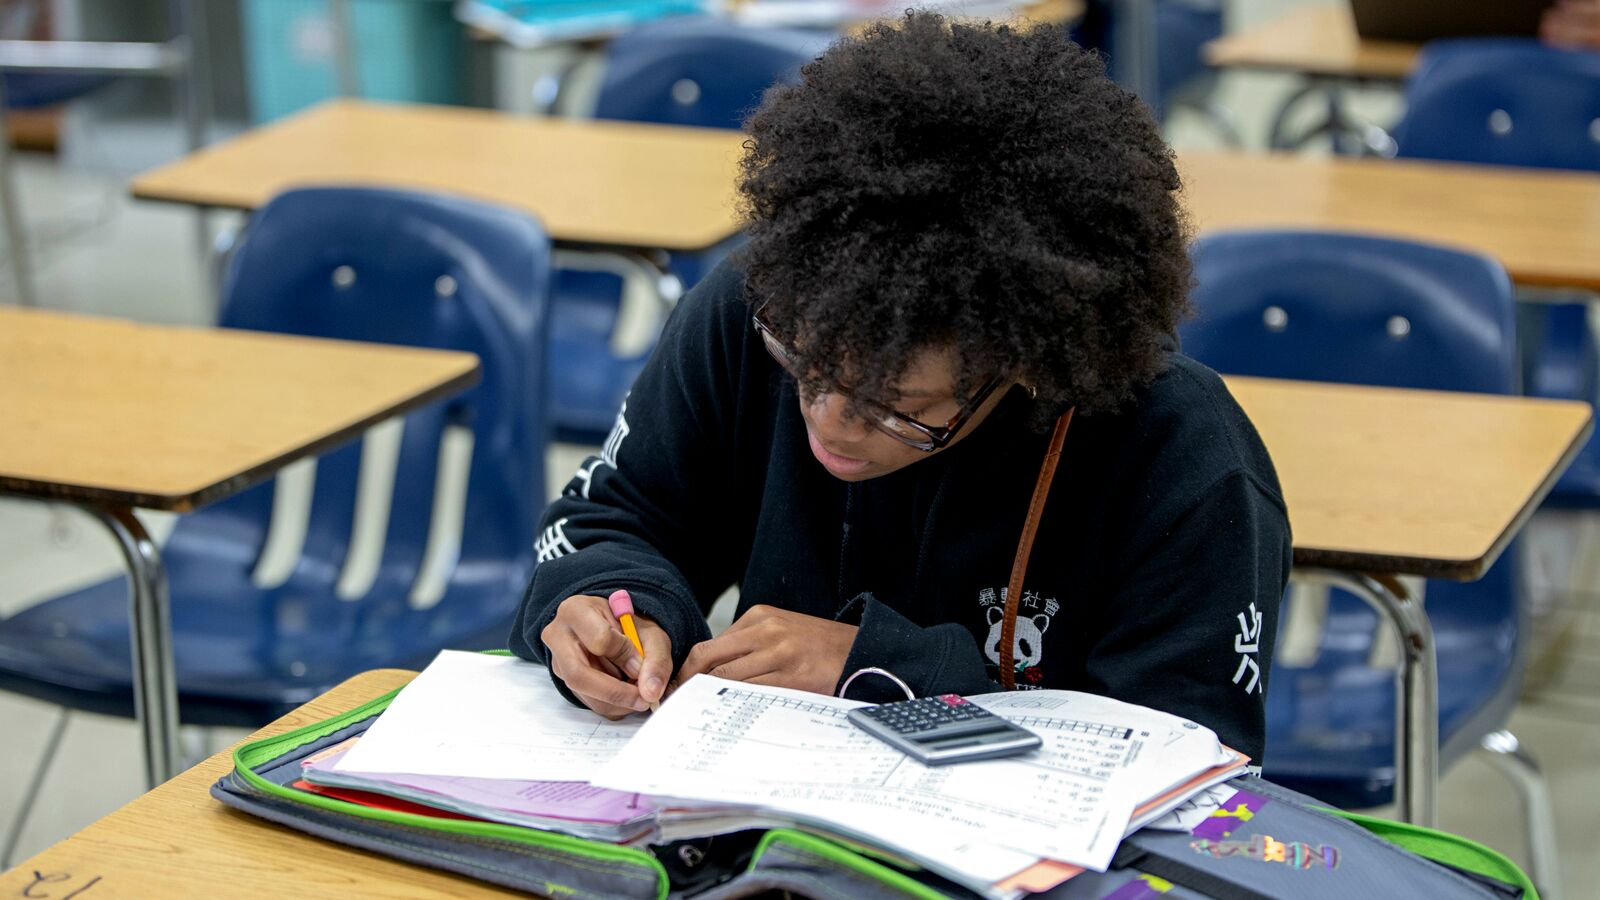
(1331, 726)
(245, 655)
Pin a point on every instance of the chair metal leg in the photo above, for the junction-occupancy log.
(31, 794)
(1136, 51)
(1416, 750)
(1222, 121)
(155, 686)
(344, 54)
(658, 286)
(1346, 135)
(188, 19)
(16, 240)
(1505, 753)
(1277, 133)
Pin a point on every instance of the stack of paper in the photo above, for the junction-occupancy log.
(570, 807)
(487, 736)
(1106, 768)
(490, 737)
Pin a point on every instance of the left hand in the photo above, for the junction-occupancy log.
(774, 646)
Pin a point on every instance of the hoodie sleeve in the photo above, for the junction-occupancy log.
(938, 659)
(629, 519)
(1196, 617)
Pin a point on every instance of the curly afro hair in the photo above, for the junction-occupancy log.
(986, 188)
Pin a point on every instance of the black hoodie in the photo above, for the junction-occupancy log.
(1155, 577)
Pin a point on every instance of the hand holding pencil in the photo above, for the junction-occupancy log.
(612, 670)
(621, 603)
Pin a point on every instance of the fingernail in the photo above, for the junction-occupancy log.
(640, 705)
(651, 688)
(632, 667)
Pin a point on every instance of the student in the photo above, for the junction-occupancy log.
(958, 233)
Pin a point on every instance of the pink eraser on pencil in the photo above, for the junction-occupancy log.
(621, 603)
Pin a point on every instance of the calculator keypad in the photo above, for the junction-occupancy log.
(945, 729)
(935, 716)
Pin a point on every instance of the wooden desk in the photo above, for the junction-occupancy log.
(163, 417)
(178, 841)
(1315, 40)
(110, 415)
(608, 184)
(1542, 225)
(1382, 482)
(1427, 483)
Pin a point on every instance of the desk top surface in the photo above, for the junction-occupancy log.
(177, 840)
(1542, 225)
(110, 411)
(1409, 482)
(611, 184)
(1316, 40)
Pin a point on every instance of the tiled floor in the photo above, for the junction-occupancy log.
(98, 252)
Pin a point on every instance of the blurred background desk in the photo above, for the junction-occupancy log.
(1542, 225)
(1313, 40)
(599, 184)
(1321, 44)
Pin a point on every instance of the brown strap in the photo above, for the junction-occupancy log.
(1030, 527)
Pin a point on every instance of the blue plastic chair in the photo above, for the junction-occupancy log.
(1182, 29)
(1369, 310)
(700, 71)
(1504, 101)
(1516, 102)
(361, 264)
(31, 90)
(693, 71)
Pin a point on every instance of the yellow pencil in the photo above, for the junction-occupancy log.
(621, 603)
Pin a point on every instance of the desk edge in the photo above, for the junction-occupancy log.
(1451, 569)
(97, 496)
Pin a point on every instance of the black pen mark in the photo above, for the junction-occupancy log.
(40, 878)
(75, 893)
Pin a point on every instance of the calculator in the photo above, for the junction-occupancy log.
(949, 728)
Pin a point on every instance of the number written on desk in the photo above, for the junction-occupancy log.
(57, 882)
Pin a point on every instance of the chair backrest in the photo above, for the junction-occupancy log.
(1367, 310)
(407, 268)
(1182, 29)
(1503, 101)
(1351, 308)
(700, 70)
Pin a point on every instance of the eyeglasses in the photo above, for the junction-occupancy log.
(905, 429)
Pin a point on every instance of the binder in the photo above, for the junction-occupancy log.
(1235, 854)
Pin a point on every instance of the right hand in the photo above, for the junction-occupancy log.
(589, 652)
